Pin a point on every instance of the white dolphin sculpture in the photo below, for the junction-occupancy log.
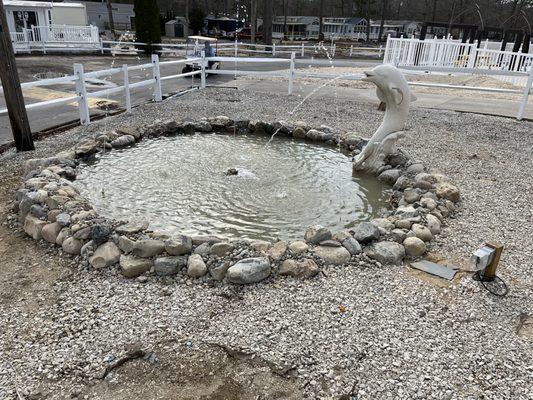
(393, 90)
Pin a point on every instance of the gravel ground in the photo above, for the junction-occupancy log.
(375, 332)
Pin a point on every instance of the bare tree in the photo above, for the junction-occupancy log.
(267, 21)
(382, 18)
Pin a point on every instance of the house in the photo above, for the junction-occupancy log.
(23, 15)
(344, 28)
(176, 28)
(222, 25)
(298, 27)
(97, 15)
(394, 28)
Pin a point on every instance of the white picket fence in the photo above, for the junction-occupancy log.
(450, 54)
(82, 96)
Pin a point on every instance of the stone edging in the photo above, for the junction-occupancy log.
(50, 208)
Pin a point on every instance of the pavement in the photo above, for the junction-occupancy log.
(32, 67)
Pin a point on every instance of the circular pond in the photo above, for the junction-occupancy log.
(179, 184)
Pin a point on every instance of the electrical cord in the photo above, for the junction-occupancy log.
(496, 286)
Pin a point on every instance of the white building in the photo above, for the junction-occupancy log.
(344, 28)
(97, 15)
(298, 27)
(22, 14)
(394, 28)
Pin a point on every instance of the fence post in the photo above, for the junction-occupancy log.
(81, 92)
(525, 97)
(333, 50)
(202, 76)
(274, 49)
(472, 57)
(380, 49)
(236, 48)
(351, 50)
(291, 72)
(303, 50)
(101, 46)
(127, 88)
(386, 55)
(158, 96)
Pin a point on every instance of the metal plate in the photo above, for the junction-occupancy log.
(432, 268)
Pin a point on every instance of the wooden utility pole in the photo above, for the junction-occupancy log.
(267, 22)
(9, 77)
(111, 19)
(253, 19)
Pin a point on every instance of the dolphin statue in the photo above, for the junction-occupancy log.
(393, 90)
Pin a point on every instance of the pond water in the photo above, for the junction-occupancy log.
(180, 184)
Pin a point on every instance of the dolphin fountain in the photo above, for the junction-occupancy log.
(393, 90)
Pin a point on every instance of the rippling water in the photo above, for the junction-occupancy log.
(179, 185)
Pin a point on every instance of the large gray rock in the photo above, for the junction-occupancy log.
(196, 267)
(249, 270)
(148, 248)
(414, 247)
(33, 226)
(132, 267)
(366, 232)
(50, 232)
(316, 234)
(352, 246)
(105, 255)
(72, 245)
(221, 249)
(332, 255)
(386, 252)
(306, 268)
(164, 266)
(178, 245)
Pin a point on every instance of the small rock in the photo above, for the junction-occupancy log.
(178, 245)
(83, 233)
(50, 232)
(306, 268)
(414, 169)
(352, 246)
(277, 250)
(38, 211)
(414, 247)
(389, 176)
(33, 226)
(366, 232)
(422, 232)
(196, 267)
(428, 203)
(125, 244)
(299, 133)
(132, 267)
(445, 190)
(100, 233)
(221, 249)
(133, 226)
(219, 272)
(386, 252)
(317, 234)
(249, 270)
(65, 232)
(203, 249)
(406, 212)
(123, 141)
(330, 243)
(298, 247)
(332, 255)
(63, 219)
(148, 248)
(164, 266)
(105, 255)
(260, 245)
(72, 245)
(433, 224)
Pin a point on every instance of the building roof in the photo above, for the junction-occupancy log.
(295, 19)
(39, 4)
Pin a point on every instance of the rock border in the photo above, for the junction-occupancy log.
(50, 208)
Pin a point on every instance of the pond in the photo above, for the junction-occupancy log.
(179, 184)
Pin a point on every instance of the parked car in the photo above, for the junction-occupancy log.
(245, 34)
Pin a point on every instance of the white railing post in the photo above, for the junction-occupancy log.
(386, 55)
(303, 50)
(127, 88)
(202, 76)
(81, 92)
(334, 49)
(525, 96)
(101, 46)
(351, 50)
(274, 49)
(472, 56)
(158, 96)
(236, 48)
(291, 72)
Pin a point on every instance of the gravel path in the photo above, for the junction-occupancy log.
(398, 334)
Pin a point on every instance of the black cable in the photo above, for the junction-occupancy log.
(496, 286)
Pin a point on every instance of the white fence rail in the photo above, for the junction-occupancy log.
(82, 95)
